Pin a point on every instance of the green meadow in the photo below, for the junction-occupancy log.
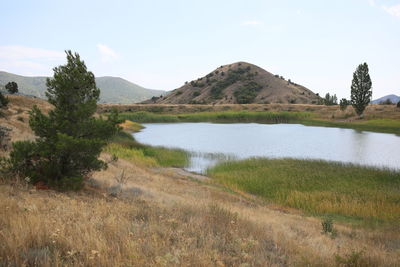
(321, 188)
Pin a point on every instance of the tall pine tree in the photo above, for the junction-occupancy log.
(361, 92)
(70, 139)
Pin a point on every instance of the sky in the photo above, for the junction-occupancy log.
(160, 44)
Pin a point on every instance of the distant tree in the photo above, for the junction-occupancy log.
(361, 92)
(70, 138)
(330, 100)
(3, 100)
(398, 104)
(343, 104)
(386, 102)
(12, 87)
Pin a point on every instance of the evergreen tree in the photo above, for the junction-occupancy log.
(12, 87)
(343, 104)
(361, 91)
(70, 139)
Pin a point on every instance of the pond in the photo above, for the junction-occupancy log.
(210, 143)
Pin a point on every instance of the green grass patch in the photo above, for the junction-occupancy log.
(124, 146)
(345, 191)
(376, 125)
(222, 117)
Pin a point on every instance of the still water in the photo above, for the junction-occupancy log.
(210, 143)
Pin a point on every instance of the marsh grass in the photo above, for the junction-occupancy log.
(222, 117)
(348, 192)
(124, 146)
(374, 125)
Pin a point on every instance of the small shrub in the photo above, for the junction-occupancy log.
(195, 94)
(20, 119)
(3, 100)
(327, 227)
(179, 93)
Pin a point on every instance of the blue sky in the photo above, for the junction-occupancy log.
(162, 44)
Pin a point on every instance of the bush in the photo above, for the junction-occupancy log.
(398, 104)
(3, 100)
(327, 227)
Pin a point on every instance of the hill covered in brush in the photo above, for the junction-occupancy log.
(114, 90)
(239, 83)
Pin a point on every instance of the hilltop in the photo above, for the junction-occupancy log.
(114, 90)
(393, 98)
(239, 83)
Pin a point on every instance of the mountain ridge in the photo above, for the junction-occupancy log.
(113, 90)
(393, 98)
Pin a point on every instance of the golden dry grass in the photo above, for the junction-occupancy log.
(162, 218)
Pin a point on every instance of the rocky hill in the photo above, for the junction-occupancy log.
(239, 83)
(114, 90)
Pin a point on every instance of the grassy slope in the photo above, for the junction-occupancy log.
(318, 187)
(124, 146)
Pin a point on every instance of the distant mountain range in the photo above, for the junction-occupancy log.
(239, 83)
(393, 98)
(113, 90)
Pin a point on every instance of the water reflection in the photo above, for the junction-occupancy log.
(211, 143)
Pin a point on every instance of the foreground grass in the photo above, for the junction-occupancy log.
(86, 229)
(307, 118)
(124, 146)
(318, 187)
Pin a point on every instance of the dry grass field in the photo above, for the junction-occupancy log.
(134, 215)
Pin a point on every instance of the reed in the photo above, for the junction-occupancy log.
(367, 195)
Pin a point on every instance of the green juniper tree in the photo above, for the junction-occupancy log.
(12, 87)
(343, 104)
(69, 139)
(361, 92)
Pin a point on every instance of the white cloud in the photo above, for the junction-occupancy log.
(371, 2)
(18, 52)
(252, 23)
(107, 54)
(393, 10)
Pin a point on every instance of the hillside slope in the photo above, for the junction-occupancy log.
(393, 98)
(239, 83)
(114, 90)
